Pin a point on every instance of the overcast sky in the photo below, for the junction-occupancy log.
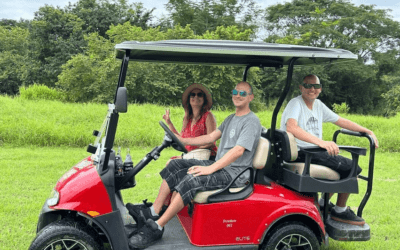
(16, 9)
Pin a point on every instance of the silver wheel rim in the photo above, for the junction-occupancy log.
(65, 244)
(294, 242)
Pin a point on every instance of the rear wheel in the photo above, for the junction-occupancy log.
(291, 236)
(66, 235)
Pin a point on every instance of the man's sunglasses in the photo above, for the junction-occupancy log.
(309, 86)
(242, 93)
(198, 94)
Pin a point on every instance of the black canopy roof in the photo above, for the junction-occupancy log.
(223, 52)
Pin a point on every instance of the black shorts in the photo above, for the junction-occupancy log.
(340, 164)
(177, 178)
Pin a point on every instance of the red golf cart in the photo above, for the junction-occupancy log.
(278, 209)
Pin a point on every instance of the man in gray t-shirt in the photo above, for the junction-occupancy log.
(239, 135)
(241, 131)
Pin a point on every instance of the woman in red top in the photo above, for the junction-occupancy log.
(198, 119)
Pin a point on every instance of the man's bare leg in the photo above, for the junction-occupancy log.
(174, 207)
(162, 195)
(342, 199)
(343, 214)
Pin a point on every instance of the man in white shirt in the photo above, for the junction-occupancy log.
(303, 117)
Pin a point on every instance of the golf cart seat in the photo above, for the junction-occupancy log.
(259, 161)
(307, 177)
(316, 171)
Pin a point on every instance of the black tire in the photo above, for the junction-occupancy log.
(66, 234)
(291, 236)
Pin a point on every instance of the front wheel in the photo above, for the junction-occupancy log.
(66, 235)
(291, 236)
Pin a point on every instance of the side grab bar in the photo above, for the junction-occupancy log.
(370, 176)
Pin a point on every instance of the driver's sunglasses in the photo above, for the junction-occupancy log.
(309, 86)
(198, 94)
(242, 93)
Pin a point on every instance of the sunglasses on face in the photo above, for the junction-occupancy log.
(242, 93)
(309, 86)
(198, 95)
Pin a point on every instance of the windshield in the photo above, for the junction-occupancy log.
(101, 135)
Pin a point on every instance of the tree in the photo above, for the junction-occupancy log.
(88, 77)
(363, 30)
(15, 64)
(55, 36)
(333, 23)
(99, 15)
(10, 23)
(207, 15)
(392, 101)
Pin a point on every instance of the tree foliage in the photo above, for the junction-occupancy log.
(72, 49)
(392, 99)
(333, 23)
(99, 15)
(10, 23)
(15, 63)
(207, 15)
(55, 36)
(364, 30)
(89, 77)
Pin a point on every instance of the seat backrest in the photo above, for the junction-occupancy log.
(287, 144)
(262, 153)
(259, 161)
(292, 146)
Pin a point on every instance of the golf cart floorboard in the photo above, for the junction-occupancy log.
(346, 232)
(175, 238)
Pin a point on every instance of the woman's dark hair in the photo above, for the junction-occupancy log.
(203, 108)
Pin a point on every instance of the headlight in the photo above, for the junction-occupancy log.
(53, 199)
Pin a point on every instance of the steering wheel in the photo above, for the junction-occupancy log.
(176, 143)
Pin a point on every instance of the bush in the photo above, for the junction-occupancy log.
(341, 109)
(392, 101)
(40, 92)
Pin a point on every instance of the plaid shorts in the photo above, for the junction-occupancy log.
(175, 174)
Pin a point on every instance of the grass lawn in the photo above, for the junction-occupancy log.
(30, 173)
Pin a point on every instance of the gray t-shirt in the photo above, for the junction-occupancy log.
(244, 131)
(309, 120)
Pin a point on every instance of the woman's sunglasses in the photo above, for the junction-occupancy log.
(242, 93)
(198, 95)
(309, 86)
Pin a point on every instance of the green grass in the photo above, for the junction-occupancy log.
(30, 173)
(53, 123)
(41, 140)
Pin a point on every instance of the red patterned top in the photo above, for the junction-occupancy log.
(198, 129)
